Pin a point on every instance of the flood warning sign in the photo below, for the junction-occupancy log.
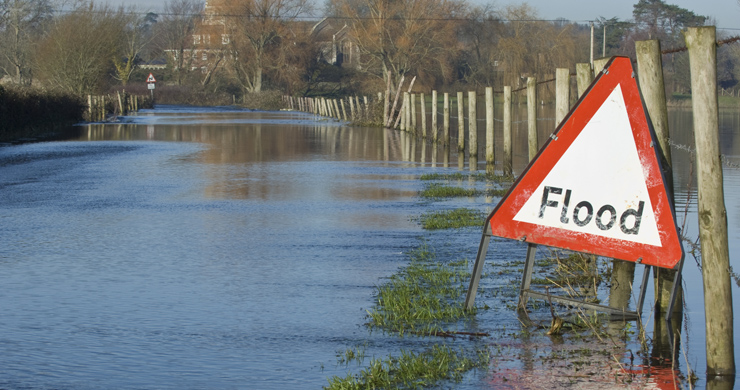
(597, 186)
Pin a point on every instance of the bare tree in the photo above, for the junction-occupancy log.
(529, 47)
(404, 36)
(260, 32)
(136, 36)
(21, 21)
(480, 35)
(76, 53)
(174, 31)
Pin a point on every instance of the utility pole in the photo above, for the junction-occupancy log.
(592, 44)
(603, 49)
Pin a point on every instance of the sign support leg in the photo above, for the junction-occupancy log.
(527, 277)
(643, 288)
(672, 304)
(480, 259)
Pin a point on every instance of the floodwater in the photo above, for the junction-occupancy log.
(222, 248)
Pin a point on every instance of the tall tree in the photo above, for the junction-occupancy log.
(480, 35)
(136, 36)
(615, 30)
(655, 19)
(21, 22)
(535, 48)
(404, 36)
(174, 33)
(260, 34)
(659, 20)
(76, 53)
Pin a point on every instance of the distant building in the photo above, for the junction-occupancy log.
(212, 37)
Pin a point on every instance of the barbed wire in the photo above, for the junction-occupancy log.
(726, 162)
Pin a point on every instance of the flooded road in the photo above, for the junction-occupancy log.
(242, 257)
(219, 248)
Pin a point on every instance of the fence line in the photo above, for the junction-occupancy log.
(101, 108)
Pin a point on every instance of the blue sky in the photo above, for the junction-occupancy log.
(726, 12)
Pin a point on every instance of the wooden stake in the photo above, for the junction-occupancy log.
(423, 104)
(446, 119)
(472, 124)
(490, 141)
(702, 46)
(584, 77)
(508, 159)
(562, 94)
(460, 122)
(435, 130)
(650, 75)
(532, 117)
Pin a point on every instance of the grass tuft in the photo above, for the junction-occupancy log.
(452, 219)
(411, 370)
(466, 176)
(422, 297)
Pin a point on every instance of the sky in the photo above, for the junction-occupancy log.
(726, 12)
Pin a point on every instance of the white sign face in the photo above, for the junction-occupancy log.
(150, 85)
(598, 186)
(151, 79)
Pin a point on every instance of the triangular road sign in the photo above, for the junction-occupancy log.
(151, 79)
(597, 186)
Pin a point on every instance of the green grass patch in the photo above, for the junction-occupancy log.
(443, 191)
(452, 219)
(419, 300)
(421, 297)
(437, 191)
(412, 370)
(466, 176)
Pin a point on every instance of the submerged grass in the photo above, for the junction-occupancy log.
(436, 191)
(452, 219)
(421, 297)
(412, 370)
(419, 300)
(466, 176)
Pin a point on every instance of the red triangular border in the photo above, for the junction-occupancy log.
(617, 72)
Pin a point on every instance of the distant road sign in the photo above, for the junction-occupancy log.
(597, 184)
(151, 85)
(151, 79)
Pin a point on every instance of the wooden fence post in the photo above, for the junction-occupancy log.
(584, 77)
(344, 111)
(460, 122)
(490, 141)
(472, 124)
(386, 119)
(508, 159)
(599, 64)
(650, 76)
(562, 94)
(423, 104)
(435, 130)
(395, 100)
(533, 142)
(446, 119)
(701, 42)
(413, 113)
(406, 112)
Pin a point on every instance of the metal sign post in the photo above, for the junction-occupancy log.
(151, 81)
